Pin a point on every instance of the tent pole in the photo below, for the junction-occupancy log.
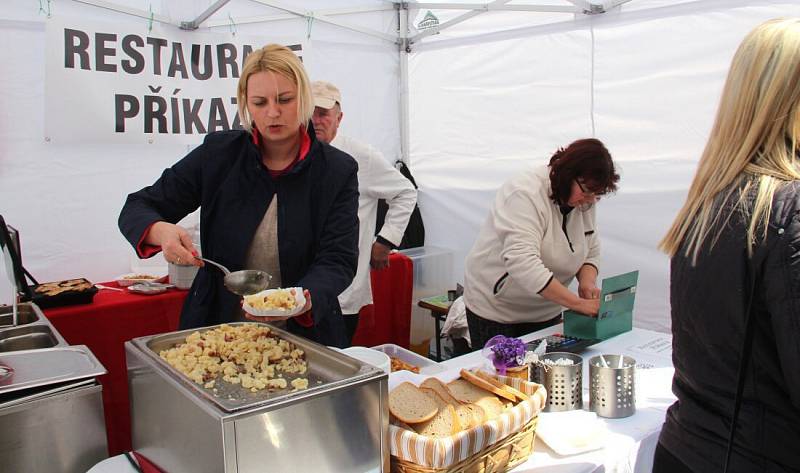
(326, 19)
(194, 24)
(459, 19)
(404, 48)
(585, 5)
(500, 7)
(289, 16)
(129, 11)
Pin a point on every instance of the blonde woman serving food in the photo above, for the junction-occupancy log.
(271, 197)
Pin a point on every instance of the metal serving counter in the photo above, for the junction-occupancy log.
(338, 424)
(51, 412)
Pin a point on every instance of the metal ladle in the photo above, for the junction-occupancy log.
(244, 282)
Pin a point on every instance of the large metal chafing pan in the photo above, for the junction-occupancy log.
(340, 423)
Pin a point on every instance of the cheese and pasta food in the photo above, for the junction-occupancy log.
(277, 299)
(249, 355)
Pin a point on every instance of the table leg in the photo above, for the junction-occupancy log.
(438, 338)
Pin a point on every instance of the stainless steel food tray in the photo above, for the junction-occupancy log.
(45, 366)
(327, 369)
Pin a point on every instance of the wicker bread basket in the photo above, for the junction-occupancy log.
(497, 458)
(514, 431)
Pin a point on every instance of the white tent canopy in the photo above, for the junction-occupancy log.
(496, 89)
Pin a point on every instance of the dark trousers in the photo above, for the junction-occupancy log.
(481, 330)
(350, 326)
(665, 462)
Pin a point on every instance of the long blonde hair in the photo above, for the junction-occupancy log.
(753, 141)
(280, 60)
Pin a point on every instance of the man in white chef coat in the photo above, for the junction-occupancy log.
(377, 179)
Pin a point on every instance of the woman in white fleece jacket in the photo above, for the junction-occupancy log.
(539, 235)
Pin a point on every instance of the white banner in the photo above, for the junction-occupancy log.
(114, 83)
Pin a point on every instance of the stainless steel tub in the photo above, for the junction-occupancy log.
(51, 409)
(27, 313)
(56, 431)
(33, 330)
(339, 424)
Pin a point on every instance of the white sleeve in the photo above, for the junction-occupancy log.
(520, 225)
(386, 182)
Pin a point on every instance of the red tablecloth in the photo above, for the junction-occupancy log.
(104, 326)
(388, 319)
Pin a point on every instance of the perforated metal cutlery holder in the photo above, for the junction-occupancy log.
(564, 383)
(612, 391)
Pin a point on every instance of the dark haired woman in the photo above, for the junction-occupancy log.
(539, 235)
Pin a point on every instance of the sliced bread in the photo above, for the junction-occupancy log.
(399, 423)
(465, 417)
(444, 424)
(483, 384)
(476, 412)
(491, 379)
(437, 385)
(467, 393)
(410, 405)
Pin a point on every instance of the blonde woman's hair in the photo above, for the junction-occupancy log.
(753, 141)
(280, 60)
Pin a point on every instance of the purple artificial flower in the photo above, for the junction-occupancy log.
(505, 352)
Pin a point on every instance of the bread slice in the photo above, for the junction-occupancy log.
(410, 405)
(483, 384)
(399, 423)
(444, 424)
(465, 417)
(467, 393)
(441, 389)
(478, 414)
(491, 379)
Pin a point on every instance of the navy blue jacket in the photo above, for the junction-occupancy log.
(317, 224)
(709, 302)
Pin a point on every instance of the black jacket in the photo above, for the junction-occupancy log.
(317, 223)
(708, 322)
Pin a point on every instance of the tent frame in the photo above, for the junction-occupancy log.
(403, 40)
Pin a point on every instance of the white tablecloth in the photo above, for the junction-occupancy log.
(631, 441)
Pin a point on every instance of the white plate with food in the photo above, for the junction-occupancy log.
(138, 278)
(285, 302)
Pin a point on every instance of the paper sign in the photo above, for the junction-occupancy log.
(115, 83)
(661, 346)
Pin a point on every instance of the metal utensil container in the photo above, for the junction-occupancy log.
(564, 383)
(340, 423)
(612, 392)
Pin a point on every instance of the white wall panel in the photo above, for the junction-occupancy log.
(482, 109)
(65, 199)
